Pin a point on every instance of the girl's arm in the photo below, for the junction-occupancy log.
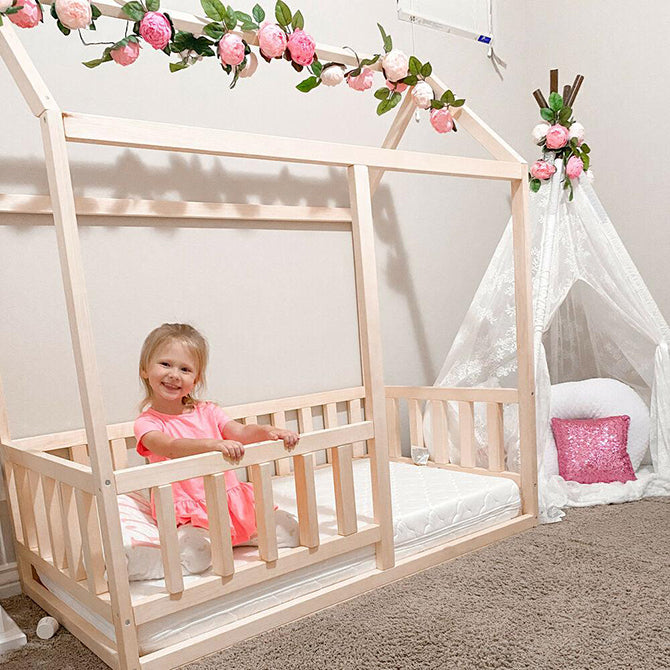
(178, 447)
(234, 430)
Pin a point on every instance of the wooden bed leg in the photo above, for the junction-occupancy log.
(371, 356)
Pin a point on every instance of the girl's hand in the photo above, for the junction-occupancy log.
(290, 438)
(230, 449)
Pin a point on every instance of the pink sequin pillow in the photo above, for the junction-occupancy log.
(593, 450)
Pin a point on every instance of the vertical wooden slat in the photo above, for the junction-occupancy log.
(79, 454)
(393, 424)
(305, 421)
(89, 383)
(71, 533)
(466, 430)
(167, 530)
(261, 476)
(223, 562)
(496, 435)
(12, 496)
(345, 493)
(415, 423)
(54, 521)
(87, 511)
(355, 415)
(283, 465)
(119, 453)
(39, 511)
(330, 421)
(247, 421)
(369, 330)
(305, 491)
(24, 495)
(524, 345)
(438, 418)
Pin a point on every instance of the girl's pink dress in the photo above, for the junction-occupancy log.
(206, 420)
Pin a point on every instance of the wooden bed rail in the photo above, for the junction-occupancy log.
(436, 401)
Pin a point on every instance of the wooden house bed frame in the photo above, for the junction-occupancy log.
(62, 488)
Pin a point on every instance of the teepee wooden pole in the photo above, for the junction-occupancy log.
(524, 343)
(67, 234)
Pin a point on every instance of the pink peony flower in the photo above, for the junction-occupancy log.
(5, 4)
(301, 46)
(250, 67)
(557, 136)
(442, 120)
(574, 168)
(542, 170)
(29, 16)
(423, 95)
(74, 14)
(395, 64)
(126, 55)
(155, 29)
(396, 86)
(231, 49)
(364, 80)
(332, 75)
(271, 40)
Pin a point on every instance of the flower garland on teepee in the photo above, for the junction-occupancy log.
(562, 137)
(284, 38)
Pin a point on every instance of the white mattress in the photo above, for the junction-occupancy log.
(429, 506)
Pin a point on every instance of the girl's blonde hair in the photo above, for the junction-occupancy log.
(188, 336)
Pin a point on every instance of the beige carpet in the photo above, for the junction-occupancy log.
(591, 592)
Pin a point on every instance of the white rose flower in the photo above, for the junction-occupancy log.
(422, 94)
(540, 132)
(577, 130)
(250, 67)
(332, 75)
(5, 4)
(395, 64)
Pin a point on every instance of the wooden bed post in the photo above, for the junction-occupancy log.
(65, 219)
(523, 295)
(371, 356)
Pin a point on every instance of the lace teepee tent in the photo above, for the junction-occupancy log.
(593, 316)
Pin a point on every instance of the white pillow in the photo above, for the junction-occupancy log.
(142, 545)
(597, 399)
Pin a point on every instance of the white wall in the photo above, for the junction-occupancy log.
(278, 306)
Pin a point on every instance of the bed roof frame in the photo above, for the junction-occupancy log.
(365, 167)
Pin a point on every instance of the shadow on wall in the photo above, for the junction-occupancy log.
(187, 177)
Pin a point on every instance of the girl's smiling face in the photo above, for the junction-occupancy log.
(172, 375)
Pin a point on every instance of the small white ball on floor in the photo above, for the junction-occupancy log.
(47, 628)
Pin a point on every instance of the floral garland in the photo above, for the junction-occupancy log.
(283, 39)
(564, 138)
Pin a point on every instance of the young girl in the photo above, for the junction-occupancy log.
(175, 423)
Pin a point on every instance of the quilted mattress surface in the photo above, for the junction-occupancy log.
(430, 506)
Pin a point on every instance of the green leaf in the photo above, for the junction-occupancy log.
(383, 107)
(0, 19)
(555, 101)
(410, 80)
(99, 61)
(258, 13)
(388, 43)
(248, 27)
(283, 14)
(382, 31)
(587, 161)
(448, 97)
(317, 68)
(458, 103)
(370, 61)
(395, 99)
(535, 185)
(565, 114)
(243, 17)
(382, 93)
(298, 21)
(153, 5)
(426, 70)
(547, 114)
(63, 29)
(308, 84)
(586, 148)
(175, 67)
(95, 12)
(230, 18)
(436, 104)
(414, 65)
(53, 11)
(213, 30)
(214, 9)
(13, 10)
(134, 10)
